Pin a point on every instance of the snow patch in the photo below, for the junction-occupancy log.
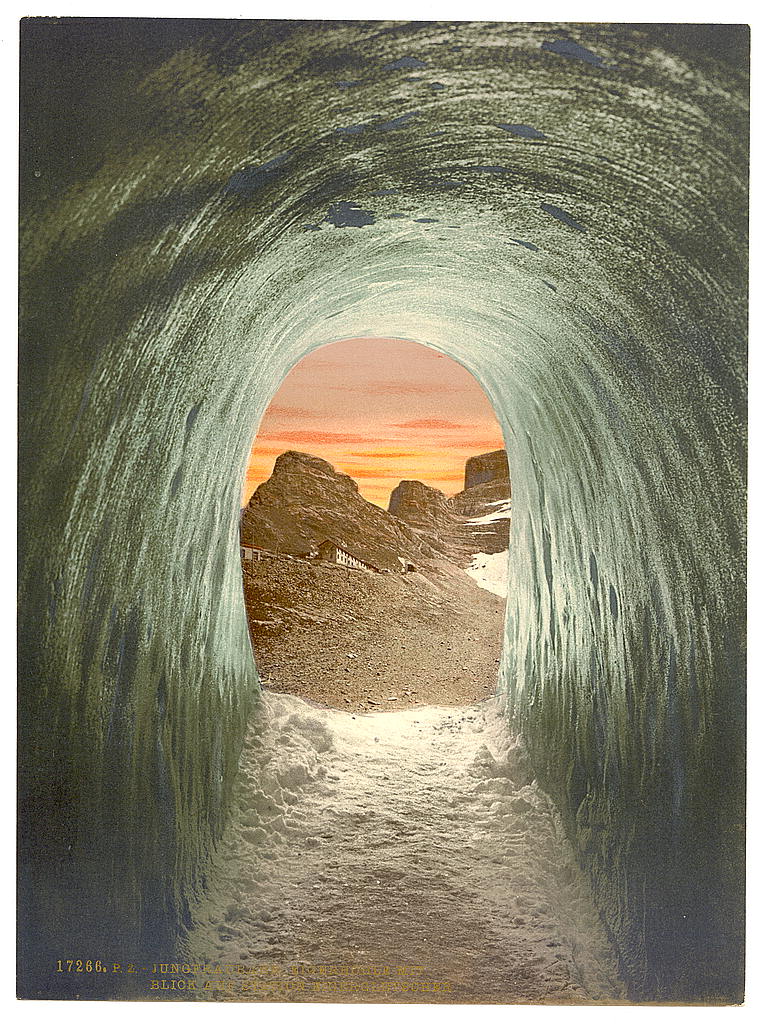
(490, 572)
(503, 512)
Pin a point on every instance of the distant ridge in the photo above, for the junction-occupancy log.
(306, 502)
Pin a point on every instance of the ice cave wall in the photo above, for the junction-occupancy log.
(560, 208)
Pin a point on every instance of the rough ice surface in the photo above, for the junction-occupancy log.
(414, 838)
(168, 283)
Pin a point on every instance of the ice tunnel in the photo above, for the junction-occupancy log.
(562, 209)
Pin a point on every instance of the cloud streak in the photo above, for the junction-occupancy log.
(430, 425)
(314, 437)
(387, 454)
(401, 387)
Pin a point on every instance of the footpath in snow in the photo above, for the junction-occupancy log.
(395, 857)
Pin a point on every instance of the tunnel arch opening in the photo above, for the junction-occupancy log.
(375, 528)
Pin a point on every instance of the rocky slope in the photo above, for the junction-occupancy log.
(306, 501)
(476, 519)
(486, 514)
(363, 641)
(480, 499)
(431, 515)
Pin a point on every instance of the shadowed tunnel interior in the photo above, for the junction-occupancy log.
(562, 209)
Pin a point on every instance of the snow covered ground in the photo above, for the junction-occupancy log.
(409, 851)
(491, 572)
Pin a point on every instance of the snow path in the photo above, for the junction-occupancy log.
(411, 838)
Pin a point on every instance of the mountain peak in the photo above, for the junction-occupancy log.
(413, 497)
(483, 469)
(306, 501)
(293, 463)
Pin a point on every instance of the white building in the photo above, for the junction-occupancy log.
(328, 551)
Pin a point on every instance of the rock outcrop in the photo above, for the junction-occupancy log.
(306, 501)
(479, 500)
(476, 519)
(419, 505)
(430, 514)
(487, 468)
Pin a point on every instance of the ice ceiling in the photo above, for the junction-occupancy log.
(562, 209)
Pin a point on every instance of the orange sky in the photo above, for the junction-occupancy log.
(381, 411)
